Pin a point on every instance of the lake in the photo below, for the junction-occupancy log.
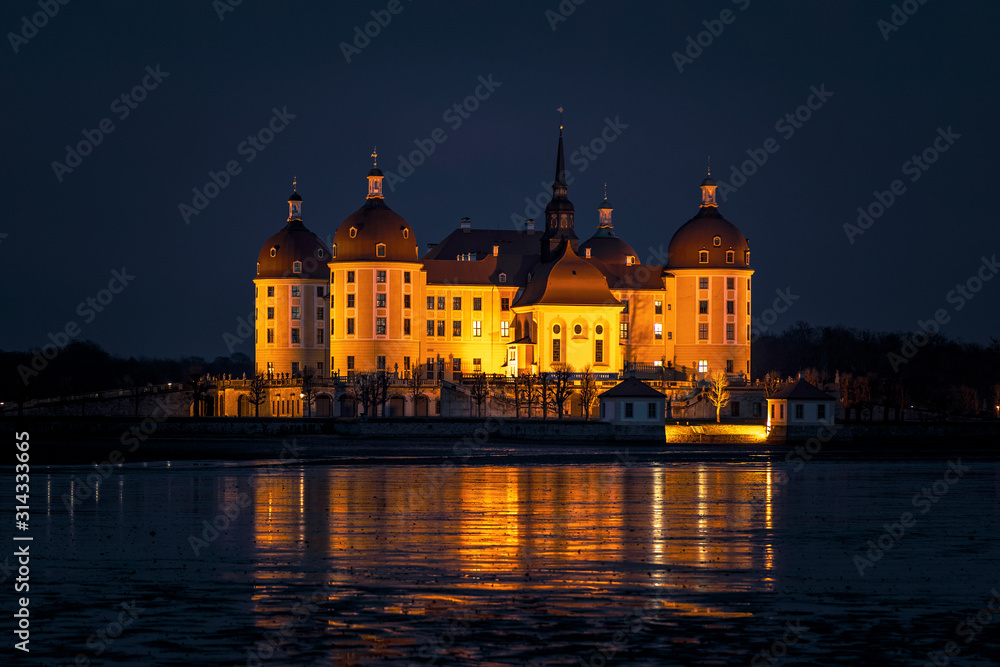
(616, 557)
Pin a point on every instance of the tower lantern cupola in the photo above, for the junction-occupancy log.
(375, 178)
(294, 203)
(708, 190)
(605, 212)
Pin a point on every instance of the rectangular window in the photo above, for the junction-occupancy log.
(270, 368)
(270, 312)
(658, 307)
(406, 327)
(734, 409)
(270, 335)
(319, 314)
(295, 335)
(651, 410)
(456, 303)
(350, 326)
(406, 279)
(440, 331)
(658, 330)
(670, 335)
(406, 301)
(350, 363)
(350, 276)
(296, 291)
(703, 307)
(350, 301)
(623, 331)
(380, 300)
(781, 411)
(730, 307)
(477, 365)
(821, 411)
(270, 291)
(406, 363)
(430, 368)
(380, 276)
(380, 362)
(730, 331)
(456, 328)
(440, 303)
(729, 365)
(477, 329)
(477, 303)
(319, 292)
(456, 365)
(430, 327)
(625, 304)
(319, 336)
(505, 303)
(748, 284)
(599, 352)
(295, 368)
(748, 307)
(628, 411)
(798, 411)
(504, 329)
(380, 326)
(730, 283)
(430, 303)
(296, 313)
(703, 331)
(556, 350)
(772, 410)
(702, 283)
(703, 365)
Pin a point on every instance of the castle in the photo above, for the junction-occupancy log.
(499, 302)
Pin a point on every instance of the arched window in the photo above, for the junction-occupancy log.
(334, 250)
(380, 250)
(258, 268)
(730, 257)
(746, 257)
(296, 267)
(703, 256)
(503, 277)
(406, 232)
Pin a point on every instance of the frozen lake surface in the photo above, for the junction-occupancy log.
(634, 560)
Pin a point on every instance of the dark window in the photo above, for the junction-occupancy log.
(703, 257)
(456, 303)
(625, 304)
(730, 332)
(703, 307)
(821, 411)
(729, 365)
(440, 303)
(270, 291)
(730, 283)
(628, 410)
(798, 411)
(319, 292)
(295, 368)
(296, 313)
(406, 279)
(406, 327)
(430, 327)
(406, 301)
(350, 363)
(319, 336)
(350, 301)
(734, 409)
(505, 303)
(556, 350)
(319, 313)
(270, 312)
(350, 276)
(350, 325)
(730, 257)
(730, 307)
(430, 303)
(406, 363)
(295, 335)
(703, 331)
(380, 362)
(440, 331)
(477, 303)
(380, 250)
(599, 351)
(296, 290)
(651, 410)
(456, 328)
(270, 335)
(380, 276)
(456, 365)
(702, 283)
(380, 300)
(477, 365)
(380, 326)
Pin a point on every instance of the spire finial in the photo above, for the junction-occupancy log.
(560, 110)
(295, 183)
(605, 191)
(709, 165)
(375, 157)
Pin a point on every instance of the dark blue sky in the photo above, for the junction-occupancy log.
(119, 207)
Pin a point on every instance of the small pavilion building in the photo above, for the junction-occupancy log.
(630, 402)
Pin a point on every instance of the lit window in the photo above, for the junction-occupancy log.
(658, 307)
(406, 233)
(380, 276)
(658, 330)
(477, 303)
(477, 365)
(702, 283)
(623, 330)
(456, 328)
(440, 328)
(350, 276)
(556, 350)
(270, 312)
(456, 303)
(380, 250)
(296, 267)
(505, 303)
(270, 291)
(477, 329)
(380, 326)
(703, 365)
(380, 300)
(703, 307)
(440, 301)
(295, 335)
(350, 301)
(296, 291)
(504, 329)
(703, 256)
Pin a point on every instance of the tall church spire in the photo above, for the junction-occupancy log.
(559, 224)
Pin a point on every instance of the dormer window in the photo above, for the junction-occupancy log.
(296, 267)
(406, 232)
(380, 250)
(354, 232)
(503, 277)
(629, 260)
(730, 257)
(717, 241)
(258, 268)
(274, 250)
(703, 256)
(746, 257)
(334, 250)
(320, 253)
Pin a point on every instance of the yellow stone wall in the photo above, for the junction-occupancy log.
(310, 352)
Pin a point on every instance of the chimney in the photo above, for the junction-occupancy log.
(431, 246)
(466, 224)
(529, 225)
(496, 250)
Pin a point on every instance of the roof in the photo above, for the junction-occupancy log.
(487, 271)
(373, 224)
(567, 280)
(637, 276)
(698, 234)
(802, 390)
(293, 243)
(481, 241)
(632, 388)
(606, 247)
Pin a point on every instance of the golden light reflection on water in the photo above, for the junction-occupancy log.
(459, 532)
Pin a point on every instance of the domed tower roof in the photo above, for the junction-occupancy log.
(604, 245)
(374, 232)
(294, 243)
(708, 232)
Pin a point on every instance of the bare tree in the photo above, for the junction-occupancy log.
(530, 388)
(561, 387)
(848, 394)
(381, 390)
(197, 385)
(771, 383)
(308, 389)
(588, 391)
(718, 393)
(544, 393)
(258, 392)
(811, 375)
(363, 384)
(413, 382)
(480, 391)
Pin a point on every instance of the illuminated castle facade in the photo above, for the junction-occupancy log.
(500, 301)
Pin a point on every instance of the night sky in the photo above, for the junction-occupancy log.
(887, 95)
